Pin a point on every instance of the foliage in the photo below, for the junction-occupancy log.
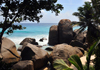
(75, 60)
(20, 10)
(96, 6)
(89, 16)
(96, 14)
(90, 67)
(59, 64)
(84, 15)
(86, 19)
(92, 48)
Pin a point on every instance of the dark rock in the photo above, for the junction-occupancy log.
(65, 31)
(80, 36)
(36, 43)
(8, 51)
(63, 51)
(53, 35)
(49, 49)
(76, 43)
(37, 55)
(42, 39)
(24, 65)
(29, 40)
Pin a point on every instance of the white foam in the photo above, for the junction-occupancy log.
(17, 40)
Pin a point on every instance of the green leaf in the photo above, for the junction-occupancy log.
(93, 47)
(90, 52)
(68, 69)
(75, 60)
(59, 64)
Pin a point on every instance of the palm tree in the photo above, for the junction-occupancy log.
(85, 15)
(89, 16)
(96, 6)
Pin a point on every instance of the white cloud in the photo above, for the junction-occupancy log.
(51, 18)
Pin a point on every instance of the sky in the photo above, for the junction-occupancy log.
(70, 6)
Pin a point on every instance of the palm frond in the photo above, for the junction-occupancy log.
(74, 23)
(81, 29)
(59, 64)
(90, 52)
(75, 60)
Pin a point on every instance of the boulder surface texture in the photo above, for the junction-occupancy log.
(8, 51)
(37, 55)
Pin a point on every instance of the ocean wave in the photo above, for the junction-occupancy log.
(17, 40)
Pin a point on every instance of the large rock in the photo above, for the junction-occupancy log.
(53, 35)
(20, 48)
(78, 44)
(65, 31)
(63, 51)
(24, 65)
(29, 40)
(37, 55)
(80, 36)
(8, 51)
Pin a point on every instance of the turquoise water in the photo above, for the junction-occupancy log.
(33, 30)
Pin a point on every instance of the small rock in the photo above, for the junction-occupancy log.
(29, 40)
(49, 49)
(19, 48)
(42, 39)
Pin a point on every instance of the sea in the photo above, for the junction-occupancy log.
(33, 30)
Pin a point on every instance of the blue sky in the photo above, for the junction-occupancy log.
(70, 6)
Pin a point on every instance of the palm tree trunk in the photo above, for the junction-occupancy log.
(92, 34)
(89, 41)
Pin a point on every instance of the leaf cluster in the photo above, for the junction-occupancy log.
(84, 14)
(20, 10)
(27, 9)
